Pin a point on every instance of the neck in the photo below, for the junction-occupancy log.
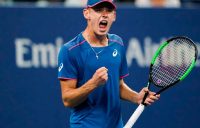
(94, 39)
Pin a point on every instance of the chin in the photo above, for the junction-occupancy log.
(103, 32)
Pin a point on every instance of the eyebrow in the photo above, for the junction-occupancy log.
(96, 8)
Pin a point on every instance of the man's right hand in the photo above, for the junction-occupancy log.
(100, 76)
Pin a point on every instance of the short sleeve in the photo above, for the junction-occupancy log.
(66, 64)
(123, 66)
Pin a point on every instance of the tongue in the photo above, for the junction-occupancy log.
(102, 26)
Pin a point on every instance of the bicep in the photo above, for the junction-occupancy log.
(67, 85)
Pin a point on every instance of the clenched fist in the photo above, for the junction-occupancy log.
(100, 76)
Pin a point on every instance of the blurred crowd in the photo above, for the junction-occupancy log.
(137, 3)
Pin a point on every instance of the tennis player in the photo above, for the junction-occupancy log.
(91, 71)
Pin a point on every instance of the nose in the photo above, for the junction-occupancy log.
(105, 12)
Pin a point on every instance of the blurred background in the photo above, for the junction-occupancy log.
(80, 3)
(32, 32)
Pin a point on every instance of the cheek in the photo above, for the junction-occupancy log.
(112, 20)
(94, 21)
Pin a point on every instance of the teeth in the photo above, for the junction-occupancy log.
(104, 22)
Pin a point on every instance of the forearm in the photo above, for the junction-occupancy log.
(73, 96)
(76, 96)
(127, 93)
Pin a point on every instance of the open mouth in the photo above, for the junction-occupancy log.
(103, 24)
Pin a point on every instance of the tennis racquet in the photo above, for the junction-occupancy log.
(171, 63)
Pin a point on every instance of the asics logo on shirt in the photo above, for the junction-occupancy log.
(60, 67)
(115, 53)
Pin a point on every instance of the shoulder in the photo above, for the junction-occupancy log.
(113, 38)
(73, 45)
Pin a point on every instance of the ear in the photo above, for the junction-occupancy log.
(114, 17)
(86, 14)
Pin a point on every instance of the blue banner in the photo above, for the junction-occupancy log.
(30, 38)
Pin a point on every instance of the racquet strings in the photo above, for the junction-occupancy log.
(172, 62)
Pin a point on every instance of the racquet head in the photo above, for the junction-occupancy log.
(173, 61)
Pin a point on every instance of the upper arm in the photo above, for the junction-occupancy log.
(67, 85)
(122, 85)
(121, 82)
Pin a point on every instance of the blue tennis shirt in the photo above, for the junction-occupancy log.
(77, 60)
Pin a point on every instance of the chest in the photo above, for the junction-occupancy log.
(93, 58)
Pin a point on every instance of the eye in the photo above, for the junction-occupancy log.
(97, 9)
(110, 9)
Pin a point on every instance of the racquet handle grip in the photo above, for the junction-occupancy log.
(135, 116)
(144, 98)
